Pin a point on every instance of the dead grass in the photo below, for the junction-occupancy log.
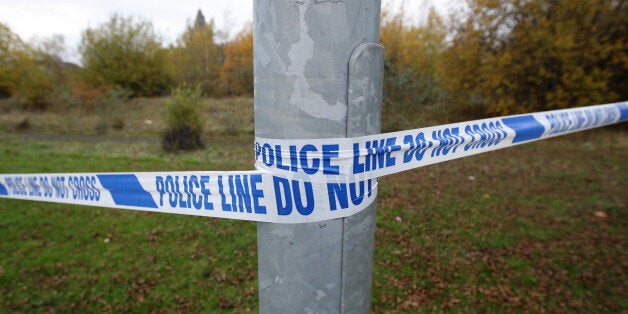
(224, 120)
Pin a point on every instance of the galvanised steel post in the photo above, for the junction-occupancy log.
(318, 74)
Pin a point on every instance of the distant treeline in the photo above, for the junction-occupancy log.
(492, 58)
(125, 57)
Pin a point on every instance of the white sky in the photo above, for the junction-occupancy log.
(45, 18)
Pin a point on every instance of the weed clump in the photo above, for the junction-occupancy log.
(183, 123)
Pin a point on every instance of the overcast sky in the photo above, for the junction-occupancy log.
(45, 18)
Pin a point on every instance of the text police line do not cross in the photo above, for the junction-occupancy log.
(304, 180)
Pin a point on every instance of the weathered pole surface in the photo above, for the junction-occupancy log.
(318, 74)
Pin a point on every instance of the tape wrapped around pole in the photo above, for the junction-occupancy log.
(368, 157)
(338, 175)
(243, 195)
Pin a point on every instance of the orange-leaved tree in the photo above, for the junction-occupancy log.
(236, 74)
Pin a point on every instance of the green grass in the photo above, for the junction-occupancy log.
(522, 236)
(74, 258)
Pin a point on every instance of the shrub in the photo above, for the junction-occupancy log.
(181, 139)
(183, 123)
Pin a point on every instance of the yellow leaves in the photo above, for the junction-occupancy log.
(413, 46)
(36, 83)
(236, 74)
(24, 71)
(196, 60)
(12, 51)
(543, 55)
(125, 53)
(412, 59)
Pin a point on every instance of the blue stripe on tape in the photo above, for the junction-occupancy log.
(623, 111)
(3, 190)
(526, 128)
(126, 190)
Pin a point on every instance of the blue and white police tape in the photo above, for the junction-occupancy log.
(304, 180)
(368, 157)
(245, 195)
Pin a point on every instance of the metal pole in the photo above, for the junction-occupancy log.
(318, 74)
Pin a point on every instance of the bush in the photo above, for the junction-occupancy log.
(183, 123)
(125, 53)
(181, 139)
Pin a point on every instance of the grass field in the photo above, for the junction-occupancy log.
(538, 227)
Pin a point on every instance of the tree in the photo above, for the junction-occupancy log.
(513, 56)
(412, 58)
(196, 59)
(31, 74)
(236, 74)
(36, 82)
(12, 50)
(125, 53)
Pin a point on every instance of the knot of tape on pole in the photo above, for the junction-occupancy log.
(307, 180)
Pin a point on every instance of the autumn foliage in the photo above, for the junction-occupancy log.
(26, 71)
(493, 57)
(236, 74)
(196, 59)
(125, 53)
(412, 59)
(515, 56)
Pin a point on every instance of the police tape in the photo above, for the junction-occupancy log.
(245, 195)
(374, 156)
(305, 180)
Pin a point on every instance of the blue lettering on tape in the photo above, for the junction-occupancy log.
(239, 193)
(484, 135)
(288, 190)
(337, 191)
(304, 158)
(378, 155)
(126, 190)
(196, 195)
(60, 189)
(448, 141)
(16, 186)
(3, 190)
(526, 128)
(283, 196)
(83, 188)
(418, 146)
(338, 194)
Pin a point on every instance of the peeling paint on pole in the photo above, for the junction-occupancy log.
(303, 57)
